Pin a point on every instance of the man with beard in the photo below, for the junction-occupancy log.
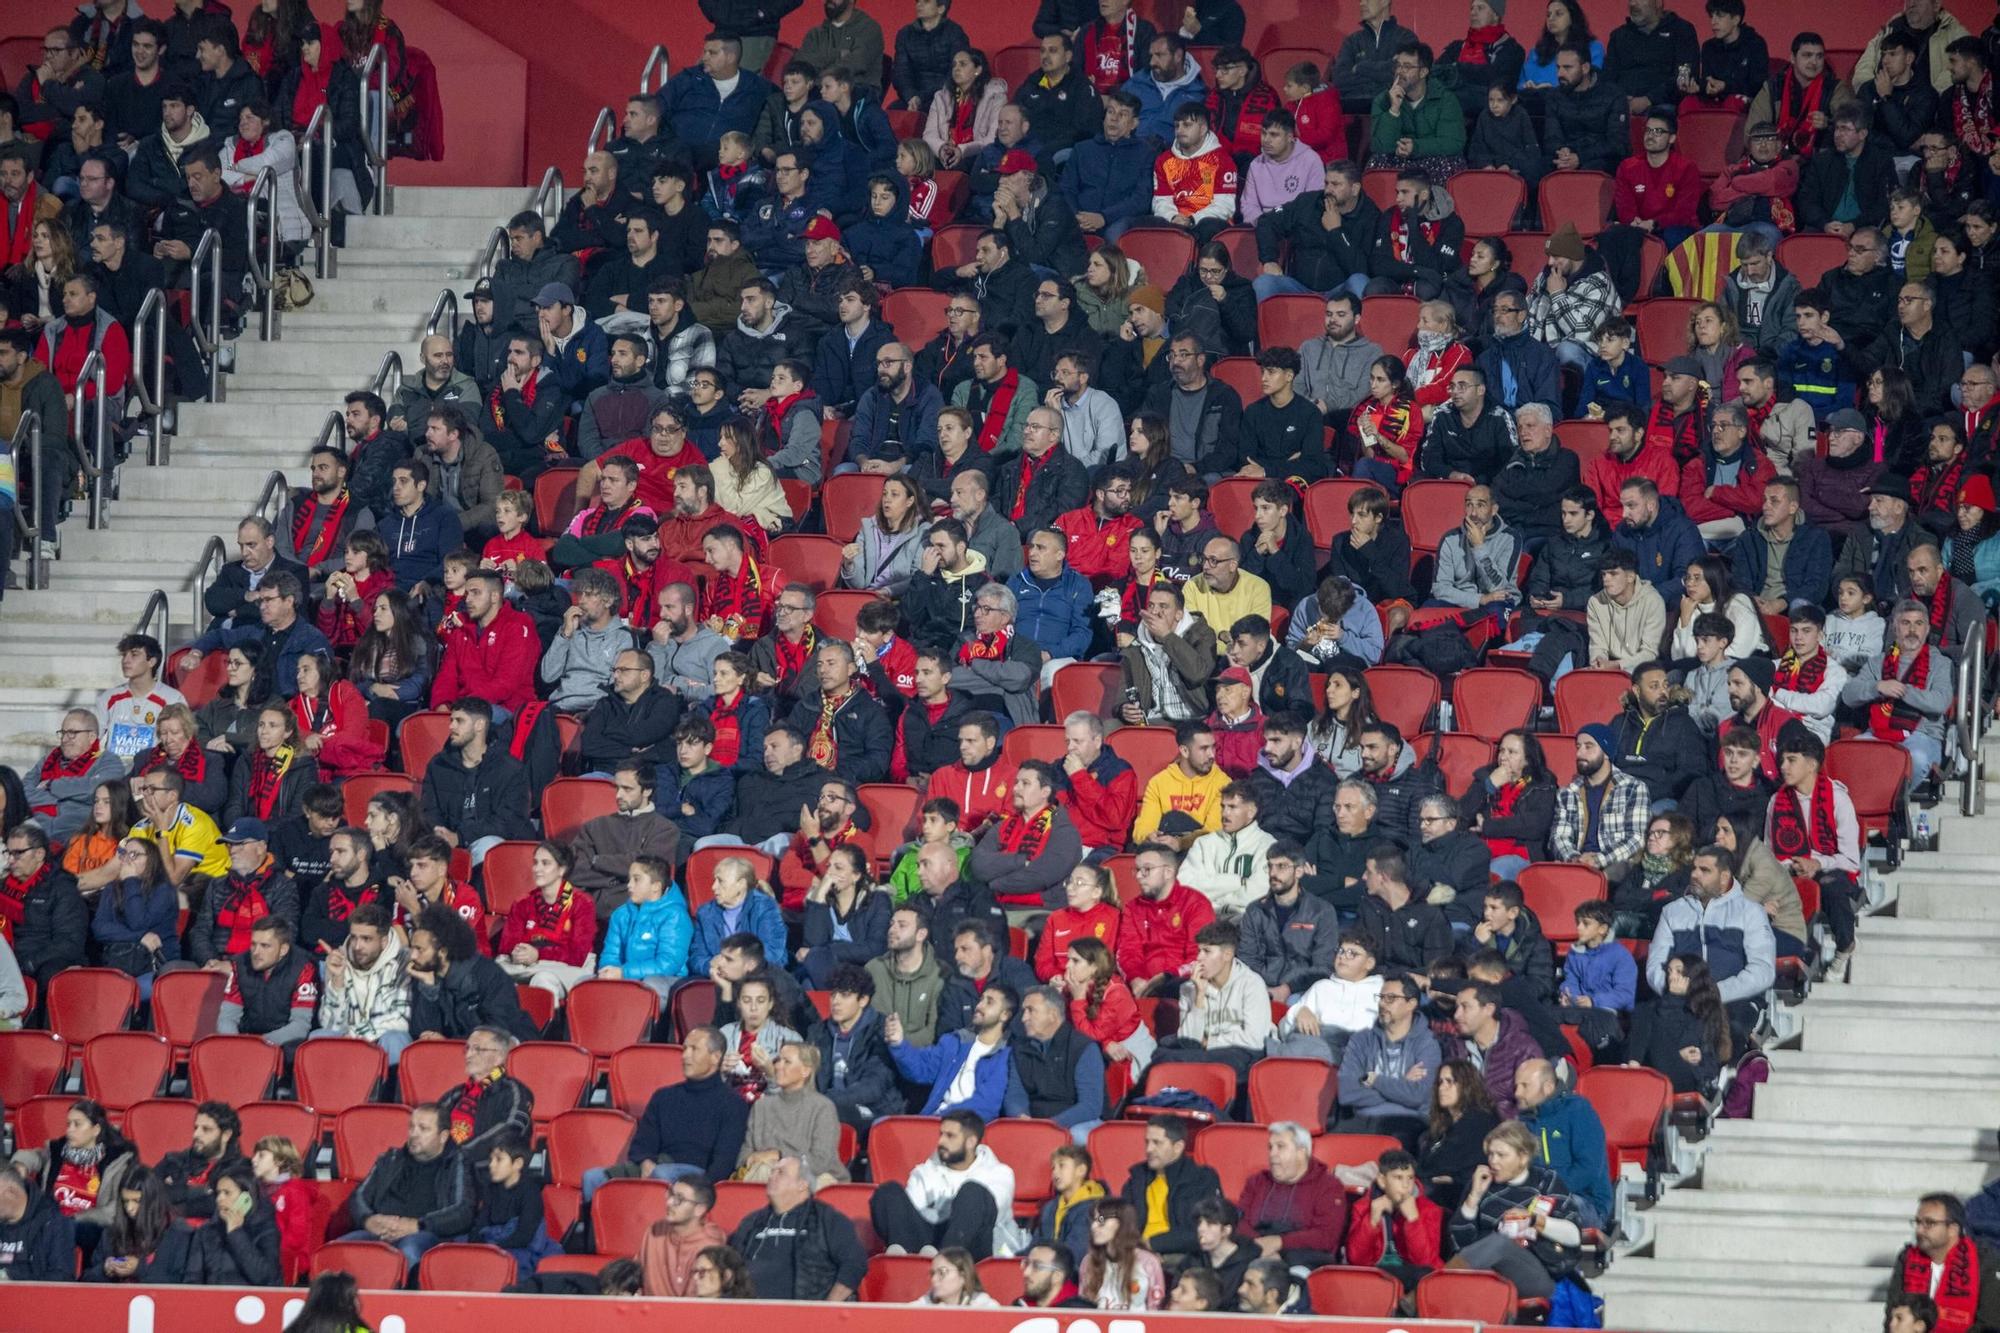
(1026, 857)
(683, 649)
(1586, 117)
(367, 991)
(961, 1195)
(1750, 684)
(1399, 781)
(1956, 613)
(189, 1175)
(1601, 815)
(1288, 936)
(1294, 789)
(895, 419)
(1935, 485)
(1880, 555)
(350, 882)
(1654, 739)
(1100, 533)
(1449, 866)
(1800, 101)
(694, 513)
(372, 453)
(845, 728)
(1908, 690)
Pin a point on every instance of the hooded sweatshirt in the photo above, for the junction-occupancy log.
(1275, 182)
(367, 1002)
(1370, 1051)
(666, 1260)
(1198, 185)
(910, 996)
(932, 1187)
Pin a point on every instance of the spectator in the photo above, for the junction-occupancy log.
(1654, 739)
(1510, 1180)
(1685, 1033)
(1227, 866)
(475, 793)
(960, 1197)
(1461, 1115)
(1475, 438)
(647, 940)
(137, 913)
(366, 993)
(1331, 235)
(1662, 539)
(546, 941)
(1811, 827)
(1717, 923)
(491, 1105)
(971, 1069)
(1393, 1226)
(1477, 561)
(1571, 298)
(1225, 1012)
(1935, 1267)
(790, 1118)
(37, 1239)
(1156, 943)
(795, 1247)
(188, 1178)
(1064, 1222)
(255, 890)
(674, 1249)
(454, 991)
(1569, 1138)
(846, 917)
(418, 1195)
(1601, 815)
(1848, 187)
(1586, 113)
(1389, 1067)
(907, 976)
(1161, 1193)
(693, 1128)
(42, 916)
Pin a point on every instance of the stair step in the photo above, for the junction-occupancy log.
(426, 233)
(495, 204)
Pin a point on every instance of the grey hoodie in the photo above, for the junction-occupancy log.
(1465, 574)
(579, 665)
(1336, 373)
(1393, 1093)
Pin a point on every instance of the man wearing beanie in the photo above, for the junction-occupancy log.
(1135, 362)
(1601, 815)
(1750, 695)
(1572, 296)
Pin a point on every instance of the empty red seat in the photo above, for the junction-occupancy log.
(1404, 696)
(419, 738)
(570, 803)
(808, 559)
(1229, 502)
(1662, 326)
(896, 1279)
(1235, 1153)
(581, 1139)
(1026, 1146)
(1165, 253)
(1579, 197)
(1091, 687)
(1432, 507)
(86, 1002)
(1147, 749)
(1491, 701)
(1593, 694)
(374, 1265)
(1289, 320)
(621, 1212)
(1352, 1150)
(1466, 1293)
(160, 1125)
(1391, 321)
(120, 1068)
(639, 1071)
(363, 1133)
(429, 1069)
(1633, 1104)
(1293, 1089)
(1116, 1146)
(559, 1073)
(1553, 890)
(456, 1266)
(280, 1120)
(233, 1069)
(1215, 1082)
(31, 1062)
(1489, 201)
(915, 313)
(359, 788)
(1353, 1292)
(607, 1016)
(335, 1073)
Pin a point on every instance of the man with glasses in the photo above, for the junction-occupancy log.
(1847, 188)
(1947, 1267)
(1100, 533)
(996, 666)
(1057, 329)
(50, 93)
(48, 922)
(1093, 428)
(64, 788)
(779, 659)
(1519, 367)
(1658, 190)
(1048, 1280)
(1387, 1070)
(946, 360)
(1046, 480)
(1927, 350)
(189, 841)
(1448, 863)
(1204, 416)
(490, 1102)
(670, 1252)
(99, 201)
(1223, 592)
(895, 418)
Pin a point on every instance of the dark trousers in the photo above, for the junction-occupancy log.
(1839, 896)
(968, 1220)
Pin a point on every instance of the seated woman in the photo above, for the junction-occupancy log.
(548, 937)
(1512, 804)
(204, 774)
(1511, 1200)
(1388, 427)
(846, 918)
(1706, 586)
(1350, 710)
(392, 661)
(1091, 913)
(138, 1233)
(1101, 1006)
(1435, 354)
(887, 549)
(738, 904)
(136, 924)
(1462, 1114)
(271, 780)
(1714, 340)
(1119, 1273)
(745, 485)
(334, 726)
(750, 1045)
(239, 1246)
(1660, 877)
(1685, 1033)
(92, 855)
(227, 724)
(955, 1281)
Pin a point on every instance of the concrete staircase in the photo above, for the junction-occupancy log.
(56, 645)
(1891, 1090)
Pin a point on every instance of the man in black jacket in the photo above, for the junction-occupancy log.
(1038, 222)
(208, 206)
(1331, 235)
(227, 82)
(190, 1174)
(1848, 187)
(1059, 102)
(1657, 742)
(490, 1103)
(475, 794)
(635, 721)
(1450, 863)
(695, 1126)
(1586, 117)
(1204, 415)
(855, 1070)
(228, 597)
(797, 1248)
(845, 728)
(1400, 782)
(1926, 350)
(1861, 295)
(923, 54)
(768, 802)
(1534, 478)
(454, 989)
(273, 989)
(1419, 242)
(1294, 789)
(1046, 481)
(1336, 869)
(54, 922)
(1472, 439)
(1646, 53)
(416, 1196)
(1168, 1138)
(979, 953)
(154, 179)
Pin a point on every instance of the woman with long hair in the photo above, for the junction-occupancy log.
(362, 27)
(204, 778)
(239, 1246)
(739, 717)
(1518, 1219)
(92, 855)
(965, 113)
(745, 485)
(1490, 265)
(391, 824)
(332, 1305)
(13, 801)
(1152, 455)
(1336, 730)
(333, 721)
(719, 1274)
(271, 780)
(1512, 804)
(1564, 24)
(1452, 1147)
(138, 1231)
(136, 924)
(888, 548)
(1388, 426)
(751, 1043)
(1889, 411)
(295, 1205)
(1764, 880)
(1143, 548)
(1101, 1005)
(51, 263)
(1118, 1273)
(391, 664)
(261, 143)
(1707, 586)
(81, 1172)
(1685, 1033)
(1091, 913)
(955, 1281)
(272, 38)
(846, 917)
(1716, 341)
(549, 937)
(228, 722)
(351, 590)
(1103, 289)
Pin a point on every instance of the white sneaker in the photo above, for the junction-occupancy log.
(50, 551)
(895, 1249)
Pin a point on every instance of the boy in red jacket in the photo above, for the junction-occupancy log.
(1395, 1210)
(1316, 107)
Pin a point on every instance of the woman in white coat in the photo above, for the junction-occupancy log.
(260, 143)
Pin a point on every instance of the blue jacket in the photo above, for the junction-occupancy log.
(759, 915)
(1569, 1138)
(1808, 562)
(585, 364)
(1731, 934)
(871, 423)
(1055, 615)
(840, 372)
(1820, 374)
(1115, 179)
(712, 794)
(1606, 387)
(302, 638)
(995, 1088)
(753, 716)
(1665, 547)
(775, 231)
(1537, 378)
(840, 171)
(155, 911)
(698, 112)
(1985, 568)
(418, 546)
(886, 247)
(1157, 104)
(1607, 975)
(649, 939)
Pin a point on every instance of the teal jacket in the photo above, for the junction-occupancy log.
(649, 939)
(1985, 567)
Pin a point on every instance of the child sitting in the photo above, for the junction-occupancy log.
(1599, 979)
(1707, 683)
(511, 512)
(508, 1210)
(1316, 107)
(734, 183)
(884, 243)
(939, 825)
(1854, 632)
(917, 165)
(647, 940)
(1814, 362)
(1614, 375)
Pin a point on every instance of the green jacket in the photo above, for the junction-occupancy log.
(1436, 125)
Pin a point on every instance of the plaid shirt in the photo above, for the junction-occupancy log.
(1574, 313)
(1622, 835)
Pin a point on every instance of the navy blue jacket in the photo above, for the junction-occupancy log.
(1808, 562)
(1536, 377)
(886, 247)
(698, 113)
(840, 171)
(1058, 616)
(419, 544)
(841, 373)
(1664, 548)
(585, 363)
(1115, 179)
(712, 794)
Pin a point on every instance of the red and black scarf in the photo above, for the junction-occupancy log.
(527, 392)
(998, 403)
(316, 527)
(1792, 834)
(1887, 719)
(1803, 676)
(549, 922)
(56, 767)
(192, 765)
(1972, 118)
(728, 724)
(1472, 51)
(14, 898)
(986, 647)
(465, 1111)
(1026, 836)
(597, 519)
(793, 657)
(1399, 233)
(1030, 465)
(1937, 488)
(964, 106)
(245, 905)
(1940, 608)
(1795, 111)
(1957, 1293)
(738, 601)
(312, 713)
(267, 778)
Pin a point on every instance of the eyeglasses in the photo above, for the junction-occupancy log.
(794, 609)
(1218, 560)
(124, 853)
(1926, 1223)
(77, 731)
(961, 310)
(1349, 951)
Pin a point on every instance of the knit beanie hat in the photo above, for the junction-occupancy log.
(1150, 297)
(1759, 670)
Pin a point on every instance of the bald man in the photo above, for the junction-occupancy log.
(1223, 593)
(442, 382)
(1568, 1137)
(594, 218)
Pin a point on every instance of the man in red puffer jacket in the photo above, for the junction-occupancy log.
(1156, 943)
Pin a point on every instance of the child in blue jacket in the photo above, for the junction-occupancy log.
(648, 937)
(1599, 979)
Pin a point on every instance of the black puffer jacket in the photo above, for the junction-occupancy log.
(1530, 488)
(1666, 756)
(1569, 565)
(1191, 306)
(1294, 810)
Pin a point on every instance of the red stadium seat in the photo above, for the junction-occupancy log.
(1488, 201)
(31, 1063)
(1527, 252)
(41, 1120)
(363, 1133)
(558, 1073)
(1590, 695)
(1380, 186)
(1431, 508)
(1034, 740)
(1353, 1292)
(909, 1139)
(1581, 197)
(1229, 501)
(734, 1201)
(160, 1125)
(1146, 749)
(952, 245)
(1001, 1278)
(1165, 253)
(1405, 696)
(509, 878)
(375, 1266)
(1876, 774)
(1586, 439)
(1292, 1089)
(798, 496)
(1559, 749)
(837, 612)
(1014, 65)
(1215, 1082)
(555, 499)
(1124, 872)
(1580, 1053)
(954, 192)
(120, 1068)
(1633, 1104)
(1662, 326)
(813, 561)
(1711, 138)
(1326, 507)
(638, 1071)
(621, 1212)
(915, 313)
(1467, 1293)
(1391, 321)
(1116, 1146)
(1290, 320)
(698, 876)
(1810, 255)
(895, 1279)
(334, 1073)
(281, 1120)
(456, 1266)
(1553, 890)
(692, 1006)
(1235, 1153)
(1489, 701)
(1026, 1145)
(86, 1002)
(1241, 243)
(1092, 687)
(606, 1016)
(570, 803)
(420, 737)
(843, 502)
(851, 1201)
(201, 685)
(892, 815)
(429, 1069)
(233, 1069)
(1242, 374)
(1459, 756)
(1652, 258)
(185, 1007)
(1352, 1150)
(356, 791)
(580, 1140)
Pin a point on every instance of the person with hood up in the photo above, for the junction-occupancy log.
(839, 177)
(365, 990)
(1420, 241)
(1170, 81)
(1387, 1070)
(882, 243)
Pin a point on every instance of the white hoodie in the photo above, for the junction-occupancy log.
(1229, 868)
(368, 1002)
(932, 1186)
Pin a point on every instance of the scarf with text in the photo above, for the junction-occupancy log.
(1939, 605)
(316, 527)
(1116, 50)
(1472, 51)
(1792, 834)
(465, 1111)
(1803, 675)
(549, 922)
(999, 401)
(986, 647)
(1796, 105)
(267, 778)
(1972, 118)
(1887, 720)
(246, 903)
(56, 767)
(1399, 233)
(823, 746)
(738, 601)
(1957, 1293)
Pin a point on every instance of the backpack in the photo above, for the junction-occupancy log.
(291, 289)
(1754, 1068)
(1441, 649)
(1572, 1305)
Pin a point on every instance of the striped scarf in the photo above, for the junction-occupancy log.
(267, 778)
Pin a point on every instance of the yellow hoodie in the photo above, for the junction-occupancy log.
(1173, 790)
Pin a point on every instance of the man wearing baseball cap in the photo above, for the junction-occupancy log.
(1039, 223)
(1238, 724)
(812, 289)
(1833, 488)
(253, 890)
(1747, 192)
(1679, 420)
(576, 349)
(481, 347)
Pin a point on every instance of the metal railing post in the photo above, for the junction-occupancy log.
(28, 440)
(1972, 720)
(495, 251)
(156, 611)
(548, 199)
(444, 311)
(264, 257)
(375, 122)
(214, 555)
(276, 487)
(389, 376)
(149, 372)
(99, 462)
(654, 76)
(602, 131)
(316, 146)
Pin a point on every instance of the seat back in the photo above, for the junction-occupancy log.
(1527, 251)
(1632, 1104)
(734, 1201)
(1488, 201)
(908, 1140)
(1405, 696)
(639, 1071)
(1034, 740)
(1662, 326)
(455, 1266)
(953, 245)
(233, 1069)
(915, 313)
(896, 1279)
(605, 1016)
(1432, 507)
(334, 1073)
(1466, 1293)
(1459, 756)
(698, 876)
(1811, 255)
(509, 878)
(1586, 439)
(1290, 320)
(581, 1139)
(41, 1120)
(1242, 374)
(570, 803)
(1293, 1089)
(1352, 1150)
(1124, 871)
(1353, 1292)
(1554, 889)
(1491, 701)
(1164, 252)
(852, 1201)
(692, 1006)
(1326, 507)
(87, 1002)
(186, 1005)
(1391, 321)
(428, 1069)
(555, 500)
(1229, 502)
(808, 559)
(892, 817)
(159, 1125)
(1146, 749)
(1025, 1145)
(359, 788)
(375, 1266)
(837, 613)
(280, 1120)
(420, 737)
(1116, 1146)
(1234, 1152)
(1559, 749)
(1379, 184)
(1594, 694)
(1001, 1279)
(558, 1073)
(1876, 773)
(1091, 687)
(1215, 1082)
(1711, 138)
(1580, 197)
(120, 1068)
(31, 1063)
(363, 1133)
(621, 1212)
(844, 501)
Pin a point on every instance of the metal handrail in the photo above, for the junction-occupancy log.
(606, 126)
(1972, 720)
(656, 64)
(548, 200)
(264, 275)
(376, 125)
(316, 147)
(275, 487)
(97, 463)
(156, 605)
(389, 376)
(28, 439)
(492, 253)
(207, 262)
(149, 372)
(214, 555)
(445, 306)
(332, 432)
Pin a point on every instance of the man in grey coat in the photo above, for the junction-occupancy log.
(989, 532)
(1387, 1071)
(1476, 561)
(1916, 711)
(1333, 368)
(579, 659)
(1289, 936)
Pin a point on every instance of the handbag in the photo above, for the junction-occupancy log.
(291, 288)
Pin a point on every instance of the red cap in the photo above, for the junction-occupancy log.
(1235, 675)
(1978, 490)
(822, 229)
(1015, 159)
